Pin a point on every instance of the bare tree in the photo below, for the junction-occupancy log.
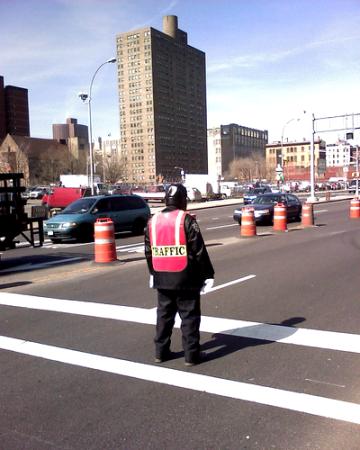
(112, 167)
(248, 169)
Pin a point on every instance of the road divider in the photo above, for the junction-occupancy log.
(354, 208)
(248, 226)
(280, 217)
(104, 237)
(307, 215)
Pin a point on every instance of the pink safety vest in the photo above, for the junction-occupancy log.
(168, 241)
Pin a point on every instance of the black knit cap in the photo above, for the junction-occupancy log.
(176, 195)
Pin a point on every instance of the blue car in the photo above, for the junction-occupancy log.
(251, 195)
(76, 221)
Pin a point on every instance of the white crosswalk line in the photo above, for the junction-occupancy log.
(294, 401)
(330, 340)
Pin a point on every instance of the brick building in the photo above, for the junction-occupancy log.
(14, 111)
(162, 102)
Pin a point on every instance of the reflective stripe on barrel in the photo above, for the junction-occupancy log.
(104, 237)
(280, 218)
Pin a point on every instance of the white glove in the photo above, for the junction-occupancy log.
(151, 281)
(208, 284)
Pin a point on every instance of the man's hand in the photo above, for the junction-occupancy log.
(151, 281)
(208, 284)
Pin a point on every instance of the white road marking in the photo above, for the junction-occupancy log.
(320, 211)
(223, 226)
(129, 245)
(29, 266)
(132, 248)
(230, 283)
(330, 340)
(293, 401)
(325, 382)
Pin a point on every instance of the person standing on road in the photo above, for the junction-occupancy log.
(180, 269)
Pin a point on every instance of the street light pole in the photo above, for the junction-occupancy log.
(312, 197)
(84, 97)
(282, 140)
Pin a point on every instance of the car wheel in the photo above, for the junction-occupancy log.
(55, 241)
(138, 227)
(86, 233)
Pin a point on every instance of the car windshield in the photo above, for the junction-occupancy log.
(80, 206)
(255, 191)
(267, 199)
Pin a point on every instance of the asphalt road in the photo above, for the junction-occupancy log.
(280, 330)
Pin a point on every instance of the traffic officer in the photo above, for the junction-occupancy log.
(180, 269)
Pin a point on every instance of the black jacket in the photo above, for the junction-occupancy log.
(199, 267)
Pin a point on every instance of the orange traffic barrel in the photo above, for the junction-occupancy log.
(280, 218)
(105, 248)
(248, 227)
(355, 208)
(307, 215)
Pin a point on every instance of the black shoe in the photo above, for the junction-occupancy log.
(166, 357)
(197, 360)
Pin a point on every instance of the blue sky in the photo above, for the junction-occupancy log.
(268, 61)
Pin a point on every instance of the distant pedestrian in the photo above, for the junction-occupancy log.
(180, 268)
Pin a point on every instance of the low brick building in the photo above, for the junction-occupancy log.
(41, 160)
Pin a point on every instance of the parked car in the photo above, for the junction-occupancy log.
(76, 222)
(251, 194)
(352, 186)
(264, 207)
(38, 192)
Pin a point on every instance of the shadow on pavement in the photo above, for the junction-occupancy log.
(38, 262)
(233, 340)
(15, 284)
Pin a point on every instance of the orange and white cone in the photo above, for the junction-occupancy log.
(248, 226)
(355, 208)
(105, 247)
(280, 217)
(307, 215)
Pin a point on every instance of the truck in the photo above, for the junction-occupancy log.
(211, 187)
(79, 180)
(151, 193)
(60, 197)
(13, 218)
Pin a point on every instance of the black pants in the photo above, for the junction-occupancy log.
(187, 304)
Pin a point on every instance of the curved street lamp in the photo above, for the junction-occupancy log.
(297, 119)
(87, 97)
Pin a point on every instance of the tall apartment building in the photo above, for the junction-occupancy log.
(162, 102)
(229, 142)
(14, 111)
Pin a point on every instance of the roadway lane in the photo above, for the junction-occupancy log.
(216, 224)
(304, 279)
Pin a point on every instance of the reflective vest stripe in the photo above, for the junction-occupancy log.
(153, 229)
(177, 227)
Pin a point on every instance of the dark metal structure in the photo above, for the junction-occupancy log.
(14, 221)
